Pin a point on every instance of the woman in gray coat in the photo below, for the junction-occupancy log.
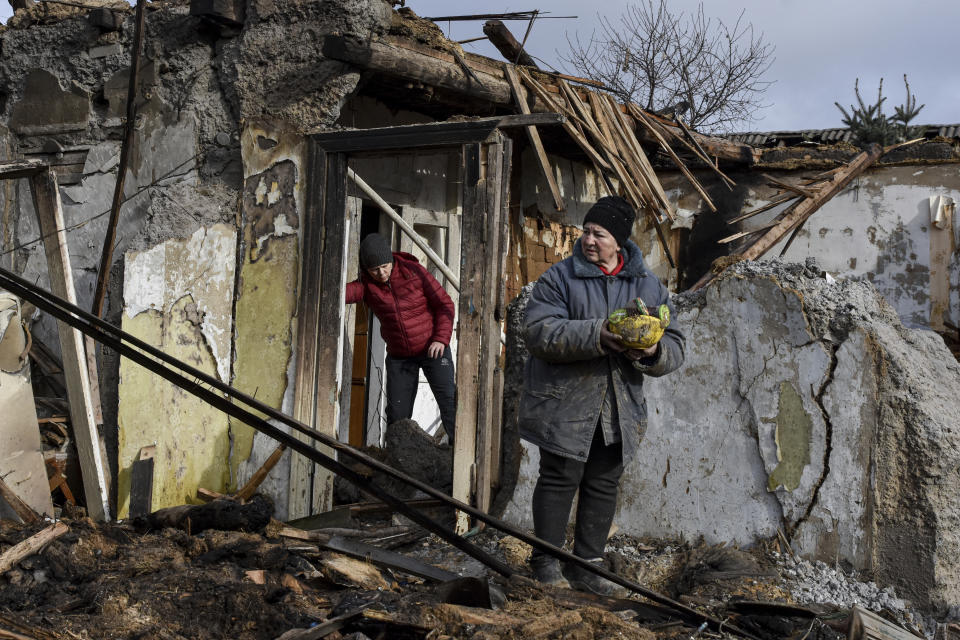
(583, 403)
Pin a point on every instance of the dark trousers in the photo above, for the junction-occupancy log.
(597, 479)
(403, 376)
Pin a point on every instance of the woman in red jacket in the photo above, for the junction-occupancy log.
(416, 321)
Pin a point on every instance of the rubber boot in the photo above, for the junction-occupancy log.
(583, 580)
(546, 570)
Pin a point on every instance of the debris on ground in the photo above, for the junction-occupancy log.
(123, 581)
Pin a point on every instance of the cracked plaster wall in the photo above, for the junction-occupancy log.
(807, 407)
(273, 200)
(179, 298)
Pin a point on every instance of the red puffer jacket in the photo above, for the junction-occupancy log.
(412, 307)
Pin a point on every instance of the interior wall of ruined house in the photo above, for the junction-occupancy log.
(879, 229)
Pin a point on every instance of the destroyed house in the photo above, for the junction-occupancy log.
(216, 216)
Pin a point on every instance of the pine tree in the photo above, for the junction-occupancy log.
(868, 124)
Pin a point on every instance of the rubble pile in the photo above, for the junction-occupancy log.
(817, 582)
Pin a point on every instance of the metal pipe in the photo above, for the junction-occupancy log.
(115, 338)
(106, 258)
(405, 226)
(410, 231)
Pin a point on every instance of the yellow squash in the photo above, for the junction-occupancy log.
(635, 325)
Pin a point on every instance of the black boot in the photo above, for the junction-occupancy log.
(546, 569)
(583, 580)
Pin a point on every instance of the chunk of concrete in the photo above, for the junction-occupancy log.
(105, 19)
(115, 89)
(102, 158)
(21, 454)
(227, 12)
(47, 108)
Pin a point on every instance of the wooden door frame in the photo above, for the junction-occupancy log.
(485, 160)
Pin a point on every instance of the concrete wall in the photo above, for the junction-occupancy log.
(805, 407)
(878, 229)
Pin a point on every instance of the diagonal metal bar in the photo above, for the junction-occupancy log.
(141, 353)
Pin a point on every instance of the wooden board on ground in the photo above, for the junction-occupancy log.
(30, 546)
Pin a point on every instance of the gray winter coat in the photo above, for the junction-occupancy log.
(568, 371)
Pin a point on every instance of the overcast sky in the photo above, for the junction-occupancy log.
(822, 46)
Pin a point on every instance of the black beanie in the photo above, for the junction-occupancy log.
(374, 251)
(614, 214)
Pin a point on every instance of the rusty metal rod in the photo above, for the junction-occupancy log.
(106, 258)
(116, 339)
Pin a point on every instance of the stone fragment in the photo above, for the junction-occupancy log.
(105, 19)
(227, 12)
(116, 88)
(102, 158)
(106, 50)
(47, 108)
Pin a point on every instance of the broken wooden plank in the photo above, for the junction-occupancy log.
(333, 282)
(46, 200)
(352, 572)
(493, 256)
(141, 482)
(642, 120)
(21, 169)
(665, 131)
(740, 234)
(260, 474)
(325, 628)
(26, 548)
(570, 127)
(626, 134)
(21, 508)
(519, 96)
(476, 201)
(308, 327)
(386, 559)
(800, 191)
(809, 206)
(208, 495)
(770, 205)
(866, 625)
(508, 46)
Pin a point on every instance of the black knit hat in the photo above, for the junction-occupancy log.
(375, 251)
(614, 214)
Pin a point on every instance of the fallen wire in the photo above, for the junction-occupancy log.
(82, 223)
(155, 361)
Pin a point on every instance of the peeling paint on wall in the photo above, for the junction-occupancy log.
(794, 429)
(192, 438)
(266, 302)
(273, 199)
(178, 297)
(201, 267)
